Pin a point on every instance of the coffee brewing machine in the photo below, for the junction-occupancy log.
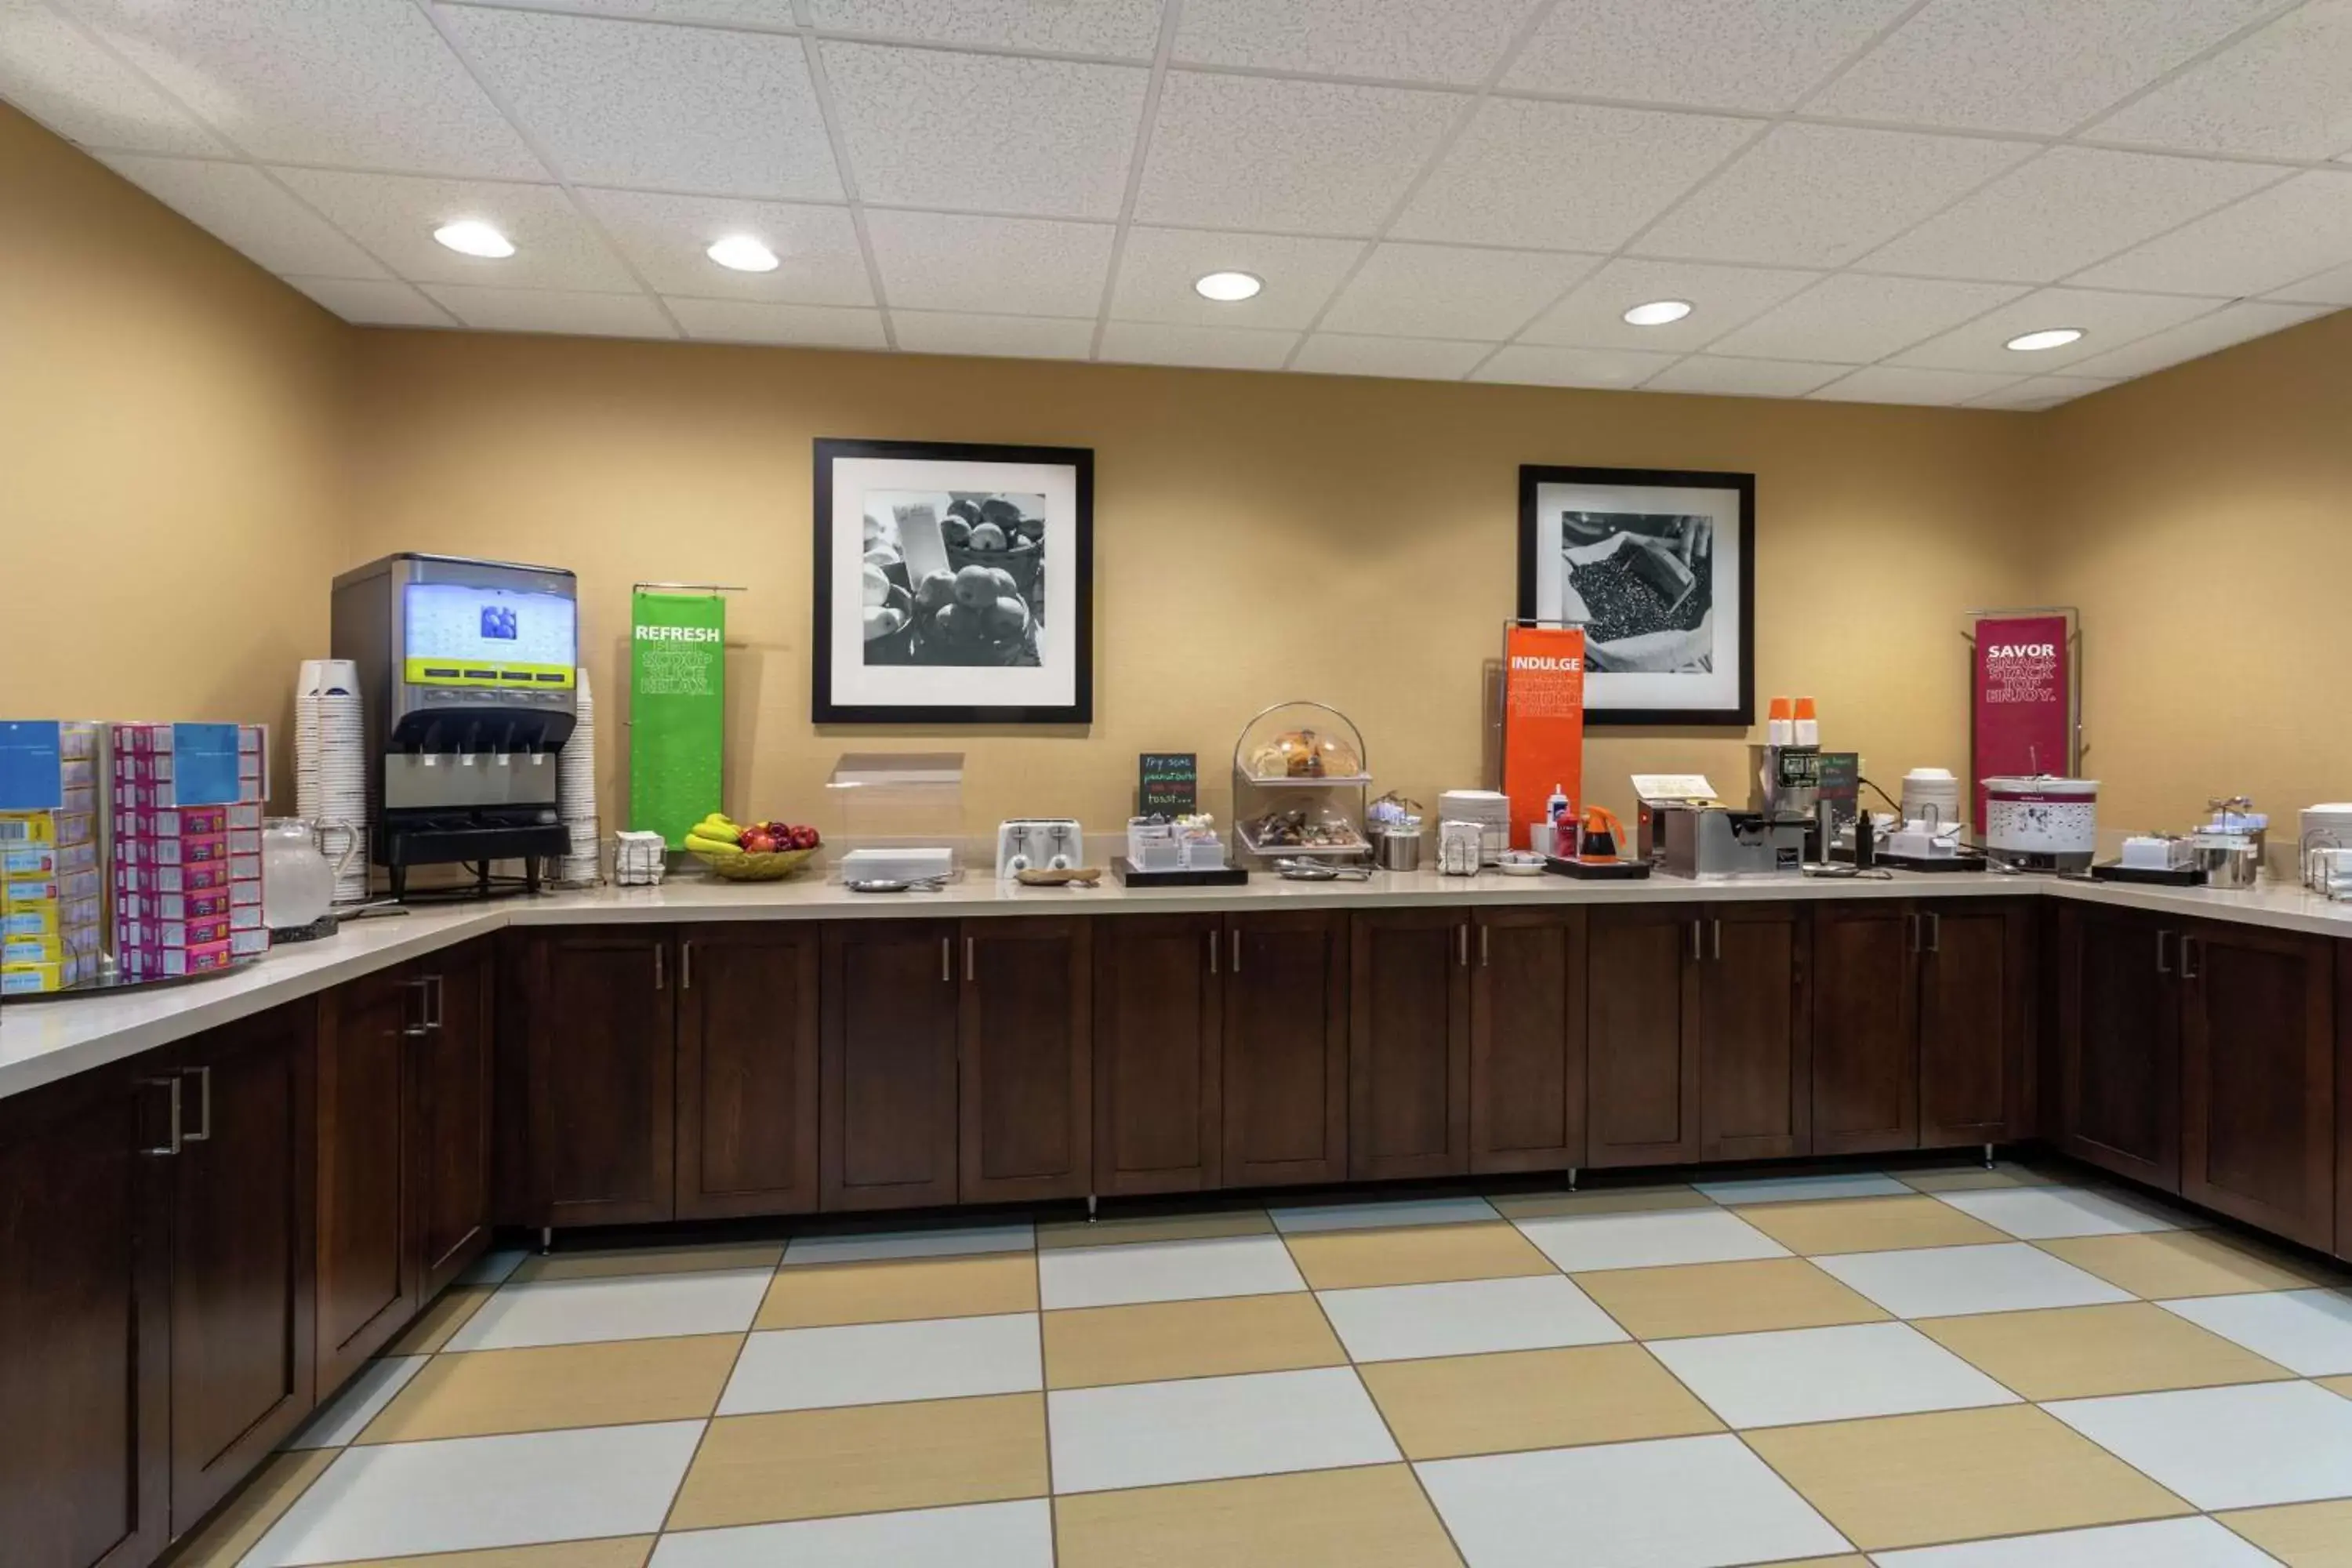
(467, 684)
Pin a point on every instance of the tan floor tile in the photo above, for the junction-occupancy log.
(2301, 1535)
(1974, 1178)
(1868, 1225)
(864, 1458)
(613, 1552)
(1532, 1399)
(1606, 1200)
(1154, 1227)
(1824, 1562)
(2081, 1352)
(1420, 1254)
(1726, 1298)
(902, 1291)
(1161, 1339)
(444, 1317)
(2169, 1263)
(607, 1383)
(1957, 1475)
(249, 1513)
(651, 1260)
(1376, 1517)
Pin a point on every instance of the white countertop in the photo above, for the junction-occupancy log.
(43, 1041)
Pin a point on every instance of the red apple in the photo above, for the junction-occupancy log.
(759, 842)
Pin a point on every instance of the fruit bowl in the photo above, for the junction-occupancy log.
(768, 867)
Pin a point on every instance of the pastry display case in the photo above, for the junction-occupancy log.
(1300, 773)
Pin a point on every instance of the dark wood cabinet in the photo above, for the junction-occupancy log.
(2119, 1042)
(888, 1018)
(1409, 1043)
(85, 1321)
(1158, 1090)
(449, 1135)
(596, 1015)
(747, 1068)
(1641, 1040)
(1286, 1048)
(2258, 1077)
(366, 1275)
(1755, 1023)
(1527, 1040)
(1025, 1059)
(242, 1375)
(1975, 985)
(1866, 1026)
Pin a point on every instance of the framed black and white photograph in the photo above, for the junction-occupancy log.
(954, 584)
(1658, 566)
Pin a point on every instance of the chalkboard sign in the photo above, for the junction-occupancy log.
(1169, 784)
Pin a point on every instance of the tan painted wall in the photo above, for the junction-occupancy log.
(1258, 538)
(2202, 521)
(172, 448)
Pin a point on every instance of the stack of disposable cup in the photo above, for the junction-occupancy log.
(330, 762)
(575, 793)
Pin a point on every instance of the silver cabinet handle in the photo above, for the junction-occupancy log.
(661, 973)
(1916, 944)
(423, 986)
(1935, 931)
(435, 1024)
(1718, 924)
(2189, 970)
(1237, 950)
(2162, 937)
(686, 964)
(1698, 953)
(170, 1084)
(1212, 952)
(947, 962)
(1482, 945)
(1462, 944)
(203, 1104)
(970, 966)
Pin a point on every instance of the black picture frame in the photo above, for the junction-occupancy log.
(825, 709)
(1601, 712)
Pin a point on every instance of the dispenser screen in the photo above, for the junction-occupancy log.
(462, 634)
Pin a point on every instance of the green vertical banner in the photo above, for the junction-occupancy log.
(677, 711)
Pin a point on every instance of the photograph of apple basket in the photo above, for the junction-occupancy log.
(954, 578)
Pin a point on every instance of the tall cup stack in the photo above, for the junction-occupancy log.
(575, 794)
(330, 762)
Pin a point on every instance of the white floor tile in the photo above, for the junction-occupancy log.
(2305, 1331)
(2159, 1543)
(357, 1403)
(946, 1241)
(1403, 1322)
(1367, 1216)
(1592, 1242)
(1684, 1502)
(883, 1363)
(2241, 1446)
(401, 1499)
(1792, 1189)
(1165, 1271)
(980, 1535)
(2040, 1213)
(621, 1307)
(1202, 1429)
(1793, 1376)
(492, 1268)
(1948, 1281)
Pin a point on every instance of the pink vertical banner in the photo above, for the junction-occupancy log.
(2021, 699)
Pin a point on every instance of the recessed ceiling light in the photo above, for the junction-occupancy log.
(741, 253)
(1658, 312)
(2048, 338)
(1226, 288)
(471, 237)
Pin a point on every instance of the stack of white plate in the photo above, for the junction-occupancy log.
(575, 793)
(330, 762)
(1931, 794)
(2324, 827)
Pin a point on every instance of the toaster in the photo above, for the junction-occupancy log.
(1038, 843)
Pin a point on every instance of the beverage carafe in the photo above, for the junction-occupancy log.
(298, 880)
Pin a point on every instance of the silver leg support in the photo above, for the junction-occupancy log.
(1988, 1157)
(1571, 1178)
(1090, 1208)
(546, 1238)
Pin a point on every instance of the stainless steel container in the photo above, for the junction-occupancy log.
(1398, 848)
(2228, 859)
(1719, 843)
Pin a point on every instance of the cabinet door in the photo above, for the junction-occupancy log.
(1025, 1055)
(602, 1049)
(242, 1224)
(449, 1117)
(2118, 1039)
(1755, 1019)
(85, 1357)
(1641, 1004)
(747, 1068)
(1527, 1040)
(1865, 1025)
(888, 1035)
(1975, 990)
(1158, 1112)
(1409, 1043)
(1286, 1039)
(2258, 1078)
(366, 1280)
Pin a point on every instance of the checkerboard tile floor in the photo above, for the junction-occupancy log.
(1952, 1368)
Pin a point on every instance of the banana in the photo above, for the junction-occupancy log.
(720, 847)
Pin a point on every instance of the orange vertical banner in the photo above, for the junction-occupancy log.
(1543, 723)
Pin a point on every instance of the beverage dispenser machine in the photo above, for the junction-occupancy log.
(468, 683)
